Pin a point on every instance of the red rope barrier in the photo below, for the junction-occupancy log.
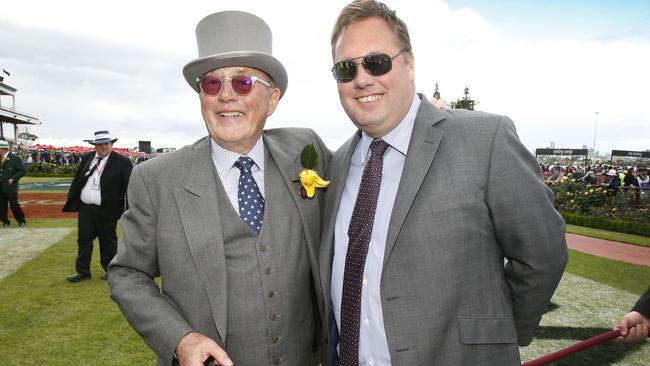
(593, 341)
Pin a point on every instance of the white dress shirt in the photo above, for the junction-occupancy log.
(373, 346)
(224, 161)
(89, 195)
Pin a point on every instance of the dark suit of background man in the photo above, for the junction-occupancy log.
(98, 193)
(240, 284)
(11, 170)
(465, 250)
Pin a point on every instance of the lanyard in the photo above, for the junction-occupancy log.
(100, 170)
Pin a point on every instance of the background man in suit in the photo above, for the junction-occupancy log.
(637, 320)
(11, 170)
(239, 276)
(441, 245)
(98, 193)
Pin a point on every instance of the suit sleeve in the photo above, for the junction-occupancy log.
(529, 230)
(132, 273)
(126, 175)
(80, 170)
(643, 305)
(20, 169)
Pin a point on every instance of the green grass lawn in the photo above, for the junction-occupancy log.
(609, 235)
(629, 277)
(46, 320)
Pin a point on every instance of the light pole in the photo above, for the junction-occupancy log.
(595, 130)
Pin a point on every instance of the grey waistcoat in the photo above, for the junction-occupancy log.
(270, 315)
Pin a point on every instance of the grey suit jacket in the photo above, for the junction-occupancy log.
(470, 195)
(172, 231)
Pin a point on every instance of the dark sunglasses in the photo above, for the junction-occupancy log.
(375, 64)
(241, 84)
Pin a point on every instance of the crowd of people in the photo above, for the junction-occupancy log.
(601, 174)
(63, 157)
(631, 180)
(57, 157)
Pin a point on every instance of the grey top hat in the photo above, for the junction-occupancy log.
(234, 38)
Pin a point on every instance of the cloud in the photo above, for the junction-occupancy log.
(76, 85)
(105, 67)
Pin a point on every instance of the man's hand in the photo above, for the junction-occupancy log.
(638, 325)
(194, 348)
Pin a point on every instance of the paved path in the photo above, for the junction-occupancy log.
(629, 253)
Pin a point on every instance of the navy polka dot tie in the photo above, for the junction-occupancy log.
(359, 233)
(251, 202)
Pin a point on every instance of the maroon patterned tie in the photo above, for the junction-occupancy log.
(359, 233)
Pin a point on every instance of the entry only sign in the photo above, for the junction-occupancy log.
(572, 152)
(562, 152)
(633, 154)
(642, 155)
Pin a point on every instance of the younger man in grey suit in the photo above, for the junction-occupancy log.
(441, 245)
(221, 222)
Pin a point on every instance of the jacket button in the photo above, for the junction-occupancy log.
(277, 339)
(273, 293)
(262, 248)
(267, 271)
(275, 316)
(277, 361)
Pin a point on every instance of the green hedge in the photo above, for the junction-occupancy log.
(621, 226)
(51, 170)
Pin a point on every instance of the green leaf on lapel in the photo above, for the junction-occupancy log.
(309, 157)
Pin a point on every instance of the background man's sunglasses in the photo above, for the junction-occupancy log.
(375, 65)
(241, 84)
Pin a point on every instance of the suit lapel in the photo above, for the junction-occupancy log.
(338, 174)
(89, 159)
(110, 161)
(288, 162)
(86, 167)
(199, 210)
(423, 145)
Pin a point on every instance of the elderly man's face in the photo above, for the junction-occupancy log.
(375, 104)
(104, 149)
(236, 121)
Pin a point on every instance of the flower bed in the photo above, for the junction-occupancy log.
(596, 206)
(43, 169)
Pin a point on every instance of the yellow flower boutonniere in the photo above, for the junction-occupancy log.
(309, 178)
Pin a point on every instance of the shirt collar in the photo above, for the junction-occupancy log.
(398, 138)
(225, 159)
(104, 158)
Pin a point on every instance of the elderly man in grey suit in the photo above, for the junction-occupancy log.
(441, 245)
(221, 222)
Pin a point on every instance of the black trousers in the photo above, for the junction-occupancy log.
(10, 198)
(93, 223)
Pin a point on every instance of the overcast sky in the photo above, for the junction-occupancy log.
(82, 66)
